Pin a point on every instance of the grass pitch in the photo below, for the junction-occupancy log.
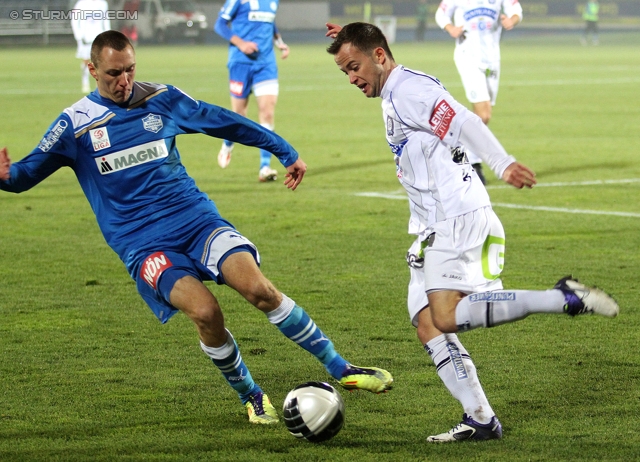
(87, 373)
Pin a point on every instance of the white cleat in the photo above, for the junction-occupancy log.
(224, 156)
(581, 299)
(267, 174)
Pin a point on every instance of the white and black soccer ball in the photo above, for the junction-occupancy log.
(314, 411)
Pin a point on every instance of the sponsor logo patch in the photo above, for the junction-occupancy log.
(262, 16)
(236, 87)
(100, 138)
(152, 123)
(492, 297)
(131, 157)
(153, 267)
(441, 118)
(53, 136)
(456, 361)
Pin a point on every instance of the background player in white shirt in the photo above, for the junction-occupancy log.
(89, 20)
(456, 260)
(477, 25)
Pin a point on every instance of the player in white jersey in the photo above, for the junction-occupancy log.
(89, 19)
(456, 260)
(477, 25)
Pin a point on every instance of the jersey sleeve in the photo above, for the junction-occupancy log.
(221, 27)
(192, 116)
(432, 109)
(511, 7)
(229, 10)
(56, 149)
(444, 13)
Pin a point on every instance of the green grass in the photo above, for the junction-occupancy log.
(87, 373)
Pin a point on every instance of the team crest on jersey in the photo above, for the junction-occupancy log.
(152, 123)
(441, 118)
(53, 136)
(131, 157)
(153, 267)
(100, 138)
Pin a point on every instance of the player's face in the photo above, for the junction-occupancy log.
(365, 71)
(114, 73)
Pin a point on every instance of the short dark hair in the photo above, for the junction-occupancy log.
(364, 36)
(108, 39)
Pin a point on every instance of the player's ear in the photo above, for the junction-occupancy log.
(380, 56)
(92, 70)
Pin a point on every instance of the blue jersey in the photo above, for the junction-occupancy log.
(127, 163)
(252, 21)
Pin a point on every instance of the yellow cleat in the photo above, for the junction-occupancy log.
(260, 410)
(366, 378)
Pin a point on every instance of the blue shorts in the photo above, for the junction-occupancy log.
(243, 77)
(156, 272)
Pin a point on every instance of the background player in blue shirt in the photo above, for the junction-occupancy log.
(251, 31)
(120, 142)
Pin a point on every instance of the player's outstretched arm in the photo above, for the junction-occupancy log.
(332, 30)
(519, 175)
(5, 164)
(294, 175)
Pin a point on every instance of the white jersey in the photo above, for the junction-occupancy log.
(423, 124)
(480, 20)
(91, 22)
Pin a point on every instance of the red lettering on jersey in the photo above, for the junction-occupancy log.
(441, 118)
(236, 87)
(153, 267)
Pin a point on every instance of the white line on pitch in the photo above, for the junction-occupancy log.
(573, 183)
(565, 210)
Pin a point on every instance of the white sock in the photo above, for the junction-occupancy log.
(267, 126)
(489, 309)
(221, 352)
(282, 312)
(458, 373)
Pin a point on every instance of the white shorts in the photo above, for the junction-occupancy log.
(464, 253)
(480, 82)
(84, 50)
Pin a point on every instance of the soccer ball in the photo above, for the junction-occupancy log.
(314, 411)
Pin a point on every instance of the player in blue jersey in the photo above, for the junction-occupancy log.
(120, 142)
(251, 31)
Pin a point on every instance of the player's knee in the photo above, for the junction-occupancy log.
(443, 323)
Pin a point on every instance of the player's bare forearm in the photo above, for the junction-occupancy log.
(248, 48)
(5, 165)
(509, 23)
(519, 176)
(454, 31)
(295, 173)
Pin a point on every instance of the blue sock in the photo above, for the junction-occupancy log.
(300, 328)
(265, 158)
(228, 143)
(233, 369)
